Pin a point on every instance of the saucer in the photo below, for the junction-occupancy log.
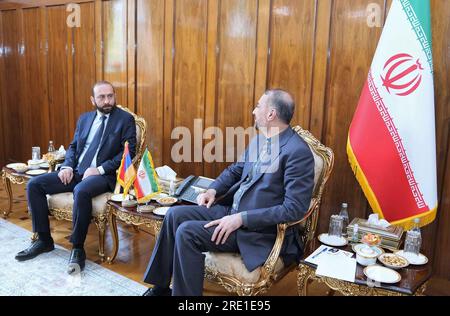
(44, 165)
(412, 258)
(332, 240)
(35, 172)
(161, 210)
(382, 274)
(119, 197)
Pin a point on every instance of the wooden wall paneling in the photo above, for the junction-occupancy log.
(236, 69)
(440, 28)
(169, 40)
(58, 49)
(24, 103)
(189, 77)
(348, 68)
(291, 53)
(98, 9)
(22, 4)
(262, 49)
(3, 105)
(84, 43)
(440, 250)
(131, 54)
(43, 75)
(115, 47)
(35, 111)
(12, 90)
(70, 79)
(320, 66)
(211, 79)
(150, 73)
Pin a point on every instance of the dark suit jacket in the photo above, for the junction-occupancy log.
(281, 193)
(121, 127)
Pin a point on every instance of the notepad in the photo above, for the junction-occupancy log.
(338, 267)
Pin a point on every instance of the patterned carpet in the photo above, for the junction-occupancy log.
(46, 274)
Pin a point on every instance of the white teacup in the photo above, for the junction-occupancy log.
(34, 164)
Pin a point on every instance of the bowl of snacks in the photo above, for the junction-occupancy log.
(393, 261)
(371, 239)
(167, 201)
(18, 167)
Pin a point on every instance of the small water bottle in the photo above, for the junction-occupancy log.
(355, 238)
(344, 214)
(51, 148)
(413, 240)
(172, 188)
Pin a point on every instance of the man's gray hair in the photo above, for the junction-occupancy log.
(283, 103)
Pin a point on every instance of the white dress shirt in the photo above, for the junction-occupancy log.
(95, 126)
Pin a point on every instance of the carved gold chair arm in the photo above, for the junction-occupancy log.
(269, 266)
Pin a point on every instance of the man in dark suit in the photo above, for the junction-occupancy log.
(272, 184)
(89, 169)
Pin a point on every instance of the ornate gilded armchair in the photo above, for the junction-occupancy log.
(228, 269)
(60, 205)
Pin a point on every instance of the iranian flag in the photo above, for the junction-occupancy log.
(391, 142)
(146, 183)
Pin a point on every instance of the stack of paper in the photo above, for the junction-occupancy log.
(334, 263)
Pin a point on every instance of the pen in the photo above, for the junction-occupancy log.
(324, 249)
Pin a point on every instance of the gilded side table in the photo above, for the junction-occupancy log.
(130, 216)
(11, 176)
(413, 281)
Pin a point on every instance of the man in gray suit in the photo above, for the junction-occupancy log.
(272, 184)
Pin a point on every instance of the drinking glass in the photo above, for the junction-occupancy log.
(35, 153)
(336, 224)
(412, 242)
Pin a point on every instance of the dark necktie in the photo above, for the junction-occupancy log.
(90, 153)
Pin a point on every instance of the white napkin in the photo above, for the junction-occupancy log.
(166, 173)
(373, 220)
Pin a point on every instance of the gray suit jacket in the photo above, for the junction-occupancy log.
(281, 193)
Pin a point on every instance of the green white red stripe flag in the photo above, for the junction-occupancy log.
(391, 143)
(146, 183)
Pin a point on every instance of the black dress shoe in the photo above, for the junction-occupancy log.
(77, 261)
(35, 249)
(158, 291)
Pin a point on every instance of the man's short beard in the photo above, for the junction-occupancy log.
(102, 110)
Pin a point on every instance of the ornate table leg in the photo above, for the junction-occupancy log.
(421, 290)
(157, 225)
(303, 276)
(113, 227)
(7, 185)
